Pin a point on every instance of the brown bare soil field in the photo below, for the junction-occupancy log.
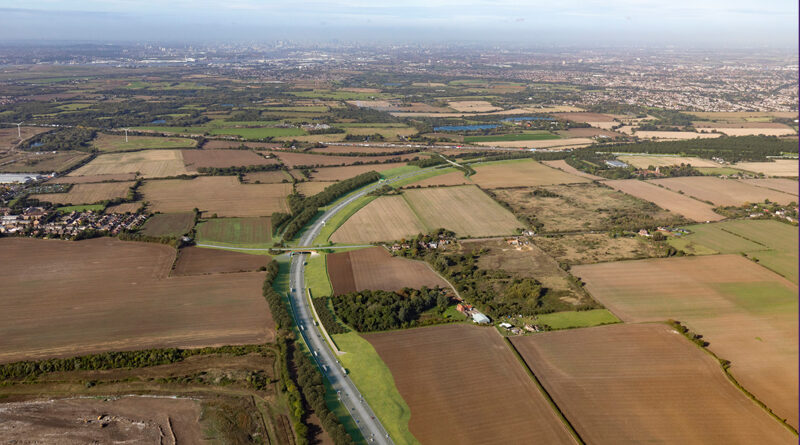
(94, 178)
(466, 210)
(194, 159)
(585, 117)
(149, 163)
(675, 135)
(223, 195)
(747, 313)
(547, 143)
(44, 162)
(384, 219)
(756, 131)
(310, 188)
(199, 261)
(472, 106)
(88, 193)
(463, 385)
(586, 206)
(563, 166)
(708, 124)
(590, 248)
(666, 199)
(375, 268)
(9, 135)
(778, 167)
(341, 173)
(125, 207)
(722, 191)
(629, 384)
(107, 295)
(273, 177)
(664, 161)
(126, 419)
(337, 149)
(520, 174)
(168, 224)
(298, 159)
(588, 133)
(447, 179)
(782, 185)
(217, 145)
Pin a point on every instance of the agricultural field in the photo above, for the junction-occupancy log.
(674, 135)
(292, 159)
(634, 383)
(542, 143)
(588, 118)
(114, 142)
(270, 177)
(448, 179)
(88, 193)
(464, 385)
(590, 248)
(221, 195)
(584, 206)
(538, 136)
(90, 179)
(148, 164)
(374, 268)
(525, 173)
(384, 219)
(722, 192)
(339, 149)
(45, 162)
(640, 161)
(778, 167)
(9, 137)
(473, 106)
(690, 208)
(240, 232)
(563, 166)
(82, 301)
(310, 188)
(746, 313)
(782, 185)
(342, 173)
(200, 261)
(125, 207)
(194, 159)
(168, 224)
(257, 133)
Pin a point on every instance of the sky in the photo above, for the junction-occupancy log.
(703, 23)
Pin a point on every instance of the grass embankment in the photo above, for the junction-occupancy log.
(236, 232)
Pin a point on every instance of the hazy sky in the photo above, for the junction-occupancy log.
(680, 22)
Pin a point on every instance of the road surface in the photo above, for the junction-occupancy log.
(362, 414)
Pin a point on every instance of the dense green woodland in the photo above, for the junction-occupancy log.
(377, 310)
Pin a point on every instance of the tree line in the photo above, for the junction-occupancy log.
(378, 310)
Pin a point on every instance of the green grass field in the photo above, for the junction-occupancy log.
(716, 171)
(81, 208)
(339, 95)
(258, 133)
(760, 298)
(577, 319)
(712, 238)
(236, 232)
(375, 381)
(316, 275)
(112, 143)
(512, 137)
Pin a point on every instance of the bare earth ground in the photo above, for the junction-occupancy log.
(199, 261)
(9, 135)
(666, 199)
(375, 269)
(194, 159)
(149, 163)
(90, 179)
(127, 419)
(310, 188)
(585, 117)
(520, 174)
(594, 248)
(630, 384)
(778, 167)
(587, 133)
(722, 191)
(88, 193)
(63, 298)
(44, 162)
(223, 195)
(782, 185)
(563, 166)
(125, 207)
(341, 173)
(478, 106)
(387, 218)
(297, 159)
(664, 161)
(747, 313)
(465, 386)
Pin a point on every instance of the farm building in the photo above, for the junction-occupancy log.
(616, 164)
(479, 318)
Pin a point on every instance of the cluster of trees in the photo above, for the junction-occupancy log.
(378, 310)
(427, 162)
(62, 139)
(731, 149)
(696, 338)
(327, 318)
(240, 170)
(677, 170)
(384, 190)
(361, 114)
(362, 137)
(277, 220)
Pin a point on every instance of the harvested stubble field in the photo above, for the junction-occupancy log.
(95, 178)
(629, 384)
(223, 195)
(590, 248)
(273, 177)
(375, 269)
(666, 199)
(131, 419)
(194, 159)
(665, 161)
(588, 133)
(107, 295)
(169, 224)
(563, 166)
(783, 130)
(586, 206)
(42, 162)
(148, 163)
(9, 137)
(342, 173)
(384, 219)
(722, 191)
(747, 313)
(525, 173)
(779, 167)
(584, 117)
(675, 135)
(199, 261)
(310, 188)
(88, 193)
(299, 159)
(113, 142)
(782, 185)
(236, 231)
(464, 385)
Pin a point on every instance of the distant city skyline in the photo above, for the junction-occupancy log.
(572, 22)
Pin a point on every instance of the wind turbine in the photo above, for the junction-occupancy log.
(19, 130)
(126, 135)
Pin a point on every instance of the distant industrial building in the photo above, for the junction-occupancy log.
(616, 164)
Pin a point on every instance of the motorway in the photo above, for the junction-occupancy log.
(371, 428)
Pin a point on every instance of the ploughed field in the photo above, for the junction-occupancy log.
(88, 193)
(666, 199)
(63, 298)
(310, 160)
(148, 163)
(525, 173)
(168, 224)
(723, 191)
(747, 313)
(375, 269)
(637, 383)
(194, 159)
(464, 385)
(200, 261)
